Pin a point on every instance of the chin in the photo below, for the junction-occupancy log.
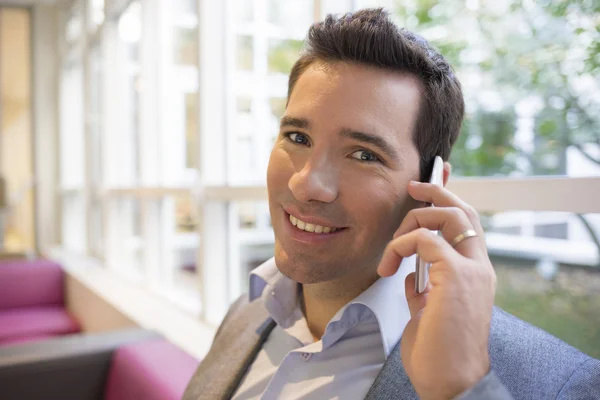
(304, 270)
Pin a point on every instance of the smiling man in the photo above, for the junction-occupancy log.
(334, 314)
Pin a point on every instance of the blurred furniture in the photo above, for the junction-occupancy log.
(3, 207)
(132, 364)
(32, 301)
(13, 255)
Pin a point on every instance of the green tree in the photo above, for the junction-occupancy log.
(537, 50)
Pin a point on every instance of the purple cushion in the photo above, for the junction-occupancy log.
(30, 283)
(149, 370)
(35, 321)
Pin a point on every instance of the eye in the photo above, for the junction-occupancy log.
(365, 155)
(296, 137)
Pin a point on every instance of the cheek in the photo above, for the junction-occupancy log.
(279, 169)
(380, 205)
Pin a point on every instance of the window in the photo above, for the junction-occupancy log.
(266, 39)
(547, 274)
(183, 100)
(95, 14)
(72, 166)
(16, 143)
(179, 99)
(127, 88)
(96, 152)
(129, 187)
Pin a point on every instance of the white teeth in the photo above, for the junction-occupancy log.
(310, 227)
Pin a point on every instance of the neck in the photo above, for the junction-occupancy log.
(321, 301)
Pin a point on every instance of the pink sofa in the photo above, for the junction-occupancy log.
(32, 302)
(167, 367)
(119, 365)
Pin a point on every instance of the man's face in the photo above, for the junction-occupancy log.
(340, 168)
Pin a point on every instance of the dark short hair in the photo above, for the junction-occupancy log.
(368, 37)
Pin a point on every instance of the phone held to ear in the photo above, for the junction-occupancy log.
(422, 268)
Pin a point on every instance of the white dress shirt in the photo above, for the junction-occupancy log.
(347, 359)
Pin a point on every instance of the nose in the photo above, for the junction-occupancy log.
(316, 181)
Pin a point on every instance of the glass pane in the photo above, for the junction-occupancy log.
(191, 129)
(548, 269)
(245, 159)
(130, 31)
(95, 130)
(179, 230)
(186, 219)
(126, 241)
(253, 215)
(529, 74)
(96, 227)
(71, 128)
(277, 106)
(245, 53)
(186, 7)
(185, 32)
(336, 6)
(74, 26)
(244, 123)
(178, 102)
(244, 10)
(244, 105)
(293, 17)
(253, 238)
(186, 45)
(96, 13)
(95, 116)
(16, 147)
(73, 224)
(283, 54)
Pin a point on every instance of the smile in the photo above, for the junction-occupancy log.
(313, 228)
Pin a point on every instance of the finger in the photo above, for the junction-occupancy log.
(416, 301)
(450, 221)
(441, 197)
(429, 246)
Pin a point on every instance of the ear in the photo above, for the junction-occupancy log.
(447, 172)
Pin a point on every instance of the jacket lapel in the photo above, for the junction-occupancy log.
(235, 346)
(392, 381)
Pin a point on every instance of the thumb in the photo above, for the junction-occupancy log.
(416, 301)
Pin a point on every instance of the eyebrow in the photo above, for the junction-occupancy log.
(371, 139)
(302, 123)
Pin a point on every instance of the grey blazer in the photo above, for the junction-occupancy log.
(527, 363)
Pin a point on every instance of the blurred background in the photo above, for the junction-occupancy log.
(135, 135)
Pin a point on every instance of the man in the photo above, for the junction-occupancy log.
(369, 107)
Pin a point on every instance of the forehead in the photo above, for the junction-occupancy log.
(357, 97)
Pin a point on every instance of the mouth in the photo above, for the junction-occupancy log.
(311, 233)
(311, 228)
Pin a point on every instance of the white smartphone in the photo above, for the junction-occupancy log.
(422, 268)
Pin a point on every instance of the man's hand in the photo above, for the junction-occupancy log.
(445, 345)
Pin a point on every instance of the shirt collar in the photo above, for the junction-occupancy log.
(385, 299)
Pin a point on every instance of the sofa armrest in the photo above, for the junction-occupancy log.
(28, 283)
(67, 367)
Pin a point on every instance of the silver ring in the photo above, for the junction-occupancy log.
(465, 235)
